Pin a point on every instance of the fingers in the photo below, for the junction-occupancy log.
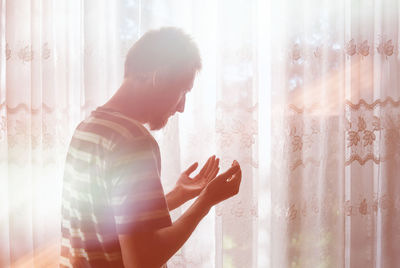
(215, 167)
(213, 175)
(191, 168)
(213, 170)
(205, 167)
(224, 185)
(232, 170)
(210, 166)
(238, 175)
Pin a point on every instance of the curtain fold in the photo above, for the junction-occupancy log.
(304, 94)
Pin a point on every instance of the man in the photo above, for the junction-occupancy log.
(115, 213)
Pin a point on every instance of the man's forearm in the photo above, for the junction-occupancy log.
(162, 244)
(174, 199)
(172, 238)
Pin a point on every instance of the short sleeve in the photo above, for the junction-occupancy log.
(136, 194)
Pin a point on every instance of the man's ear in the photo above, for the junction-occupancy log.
(154, 78)
(143, 79)
(160, 76)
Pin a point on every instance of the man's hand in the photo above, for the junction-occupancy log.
(138, 248)
(188, 187)
(224, 186)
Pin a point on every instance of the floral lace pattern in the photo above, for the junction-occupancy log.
(41, 130)
(25, 53)
(383, 46)
(370, 132)
(361, 206)
(237, 130)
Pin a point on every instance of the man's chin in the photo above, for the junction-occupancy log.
(158, 124)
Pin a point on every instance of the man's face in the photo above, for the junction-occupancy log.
(171, 100)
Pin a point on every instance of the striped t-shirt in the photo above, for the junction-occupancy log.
(111, 186)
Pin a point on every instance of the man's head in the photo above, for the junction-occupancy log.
(164, 62)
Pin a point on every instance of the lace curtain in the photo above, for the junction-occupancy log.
(336, 141)
(304, 94)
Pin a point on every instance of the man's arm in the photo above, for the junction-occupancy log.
(174, 199)
(153, 249)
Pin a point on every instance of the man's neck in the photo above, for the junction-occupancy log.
(129, 102)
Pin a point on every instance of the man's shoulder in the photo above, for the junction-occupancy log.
(119, 131)
(113, 126)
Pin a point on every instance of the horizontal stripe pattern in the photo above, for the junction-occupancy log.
(111, 186)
